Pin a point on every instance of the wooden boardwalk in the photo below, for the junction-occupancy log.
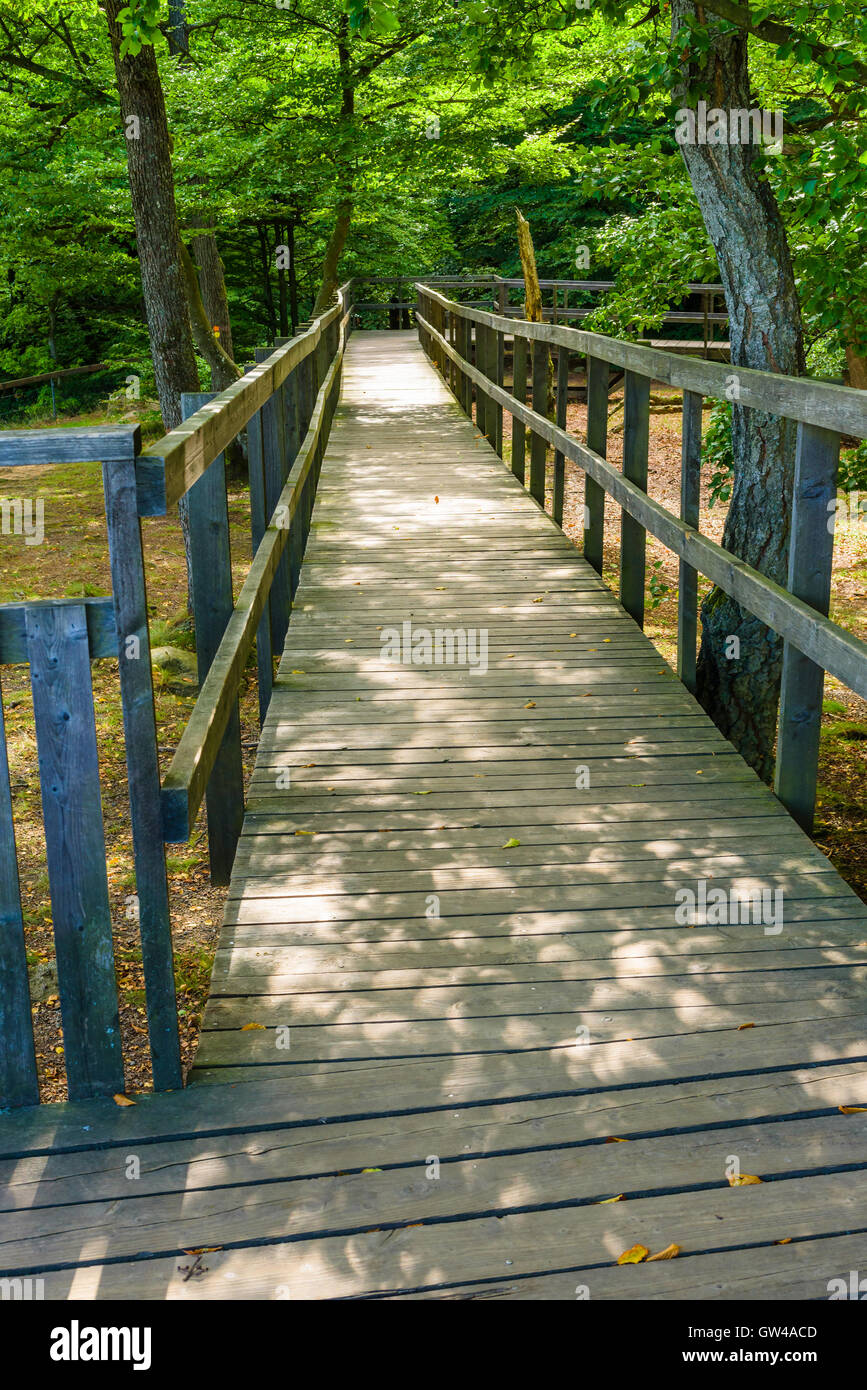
(451, 974)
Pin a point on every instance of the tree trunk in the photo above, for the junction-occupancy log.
(856, 370)
(741, 692)
(533, 294)
(265, 256)
(152, 190)
(223, 369)
(212, 283)
(152, 187)
(293, 276)
(346, 181)
(331, 262)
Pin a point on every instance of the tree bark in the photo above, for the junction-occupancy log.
(268, 291)
(152, 187)
(212, 284)
(533, 294)
(741, 692)
(223, 369)
(346, 181)
(856, 370)
(331, 261)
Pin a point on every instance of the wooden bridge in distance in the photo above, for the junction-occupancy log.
(458, 1045)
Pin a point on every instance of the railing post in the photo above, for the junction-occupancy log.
(811, 549)
(213, 603)
(597, 440)
(559, 459)
(499, 356)
(687, 584)
(19, 1083)
(274, 452)
(480, 356)
(129, 593)
(519, 391)
(258, 526)
(59, 656)
(538, 446)
(633, 537)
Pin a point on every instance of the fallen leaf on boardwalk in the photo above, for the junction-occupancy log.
(634, 1256)
(371, 1170)
(425, 793)
(638, 784)
(251, 1027)
(537, 600)
(606, 1201)
(510, 844)
(745, 1180)
(299, 673)
(441, 588)
(742, 1026)
(852, 1109)
(122, 1100)
(436, 499)
(531, 704)
(787, 1240)
(667, 1254)
(613, 1139)
(575, 634)
(305, 832)
(606, 639)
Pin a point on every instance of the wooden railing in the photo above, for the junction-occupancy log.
(285, 401)
(501, 292)
(467, 345)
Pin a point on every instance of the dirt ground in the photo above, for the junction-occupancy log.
(72, 561)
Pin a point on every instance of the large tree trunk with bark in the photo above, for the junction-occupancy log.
(152, 188)
(741, 692)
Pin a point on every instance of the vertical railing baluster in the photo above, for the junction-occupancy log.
(633, 537)
(129, 593)
(499, 356)
(519, 391)
(597, 440)
(687, 584)
(559, 459)
(274, 452)
(19, 1084)
(258, 527)
(213, 602)
(59, 656)
(811, 552)
(538, 446)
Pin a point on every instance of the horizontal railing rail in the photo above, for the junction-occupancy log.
(285, 402)
(467, 345)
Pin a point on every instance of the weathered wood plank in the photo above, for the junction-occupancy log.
(687, 583)
(75, 849)
(143, 771)
(19, 1083)
(811, 554)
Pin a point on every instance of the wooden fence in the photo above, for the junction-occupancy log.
(467, 345)
(704, 311)
(285, 401)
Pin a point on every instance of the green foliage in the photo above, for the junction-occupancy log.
(717, 453)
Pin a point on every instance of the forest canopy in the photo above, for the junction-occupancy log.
(432, 120)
